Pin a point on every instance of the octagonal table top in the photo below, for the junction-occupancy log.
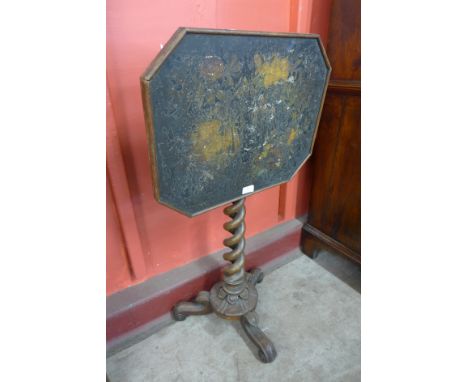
(230, 113)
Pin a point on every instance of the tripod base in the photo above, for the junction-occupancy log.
(239, 306)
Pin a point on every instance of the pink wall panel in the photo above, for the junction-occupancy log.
(135, 32)
(118, 271)
(260, 15)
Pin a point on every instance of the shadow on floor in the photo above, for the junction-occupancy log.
(341, 267)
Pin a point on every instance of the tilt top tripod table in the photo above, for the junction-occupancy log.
(230, 113)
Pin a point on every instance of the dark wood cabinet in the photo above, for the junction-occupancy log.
(334, 219)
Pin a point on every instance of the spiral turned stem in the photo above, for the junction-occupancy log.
(235, 297)
(234, 273)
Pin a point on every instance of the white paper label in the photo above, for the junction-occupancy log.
(248, 189)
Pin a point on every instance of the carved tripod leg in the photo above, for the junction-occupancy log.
(199, 306)
(255, 276)
(266, 349)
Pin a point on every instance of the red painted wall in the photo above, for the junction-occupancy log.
(145, 238)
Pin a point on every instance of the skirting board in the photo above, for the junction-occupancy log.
(140, 310)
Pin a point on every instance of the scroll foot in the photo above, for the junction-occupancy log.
(199, 306)
(266, 349)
